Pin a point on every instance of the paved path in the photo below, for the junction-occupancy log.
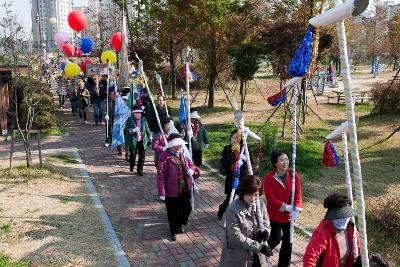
(138, 218)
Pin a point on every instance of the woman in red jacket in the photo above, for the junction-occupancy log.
(278, 191)
(331, 244)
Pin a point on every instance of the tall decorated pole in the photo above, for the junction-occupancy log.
(341, 130)
(187, 83)
(151, 97)
(189, 123)
(107, 117)
(239, 122)
(123, 78)
(158, 78)
(336, 15)
(294, 149)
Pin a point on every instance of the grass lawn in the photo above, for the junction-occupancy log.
(379, 161)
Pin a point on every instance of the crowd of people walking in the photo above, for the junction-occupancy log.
(257, 215)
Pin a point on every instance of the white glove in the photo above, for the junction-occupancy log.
(207, 146)
(190, 132)
(162, 198)
(137, 129)
(190, 172)
(164, 148)
(288, 208)
(240, 162)
(294, 215)
(131, 131)
(243, 156)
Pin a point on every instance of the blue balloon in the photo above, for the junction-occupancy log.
(63, 64)
(87, 44)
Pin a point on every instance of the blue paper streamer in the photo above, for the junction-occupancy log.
(303, 56)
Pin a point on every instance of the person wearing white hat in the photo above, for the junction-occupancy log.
(174, 183)
(119, 148)
(138, 138)
(199, 139)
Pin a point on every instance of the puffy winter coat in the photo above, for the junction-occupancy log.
(239, 244)
(323, 249)
(277, 193)
(167, 174)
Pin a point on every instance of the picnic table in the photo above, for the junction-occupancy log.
(359, 94)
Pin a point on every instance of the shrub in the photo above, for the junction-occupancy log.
(386, 212)
(386, 100)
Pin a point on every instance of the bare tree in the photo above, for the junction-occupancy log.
(27, 91)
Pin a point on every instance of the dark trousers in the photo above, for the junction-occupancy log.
(82, 112)
(197, 157)
(97, 111)
(222, 208)
(281, 231)
(132, 156)
(61, 100)
(178, 210)
(74, 106)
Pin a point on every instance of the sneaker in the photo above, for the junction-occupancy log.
(85, 122)
(173, 237)
(180, 230)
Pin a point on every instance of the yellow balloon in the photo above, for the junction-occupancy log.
(109, 56)
(72, 69)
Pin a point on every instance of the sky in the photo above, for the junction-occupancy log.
(23, 9)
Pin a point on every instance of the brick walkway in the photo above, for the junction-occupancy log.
(138, 218)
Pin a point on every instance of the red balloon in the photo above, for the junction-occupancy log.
(68, 49)
(84, 63)
(77, 20)
(77, 52)
(116, 41)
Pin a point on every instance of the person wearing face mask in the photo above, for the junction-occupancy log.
(138, 133)
(332, 242)
(278, 192)
(174, 182)
(244, 241)
(225, 168)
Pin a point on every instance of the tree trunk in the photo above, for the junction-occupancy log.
(395, 64)
(211, 85)
(241, 95)
(172, 64)
(28, 152)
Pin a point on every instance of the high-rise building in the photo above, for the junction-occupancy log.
(48, 18)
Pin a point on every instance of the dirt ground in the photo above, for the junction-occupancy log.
(48, 218)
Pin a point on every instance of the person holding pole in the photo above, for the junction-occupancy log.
(278, 191)
(138, 138)
(226, 164)
(159, 144)
(174, 182)
(332, 242)
(244, 242)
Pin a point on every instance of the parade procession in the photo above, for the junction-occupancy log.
(200, 133)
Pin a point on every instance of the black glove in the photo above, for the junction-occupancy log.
(262, 235)
(266, 250)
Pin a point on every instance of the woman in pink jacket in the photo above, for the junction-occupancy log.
(174, 182)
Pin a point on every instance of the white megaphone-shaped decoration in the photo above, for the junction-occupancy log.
(293, 81)
(339, 130)
(238, 116)
(350, 8)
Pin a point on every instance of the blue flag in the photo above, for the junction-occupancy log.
(182, 110)
(121, 115)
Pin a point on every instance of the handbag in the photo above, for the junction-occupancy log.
(221, 168)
